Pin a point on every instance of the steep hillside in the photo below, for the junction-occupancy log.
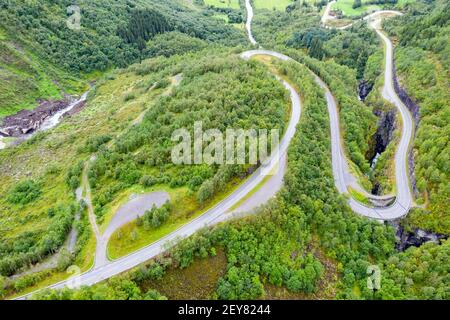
(26, 78)
(41, 57)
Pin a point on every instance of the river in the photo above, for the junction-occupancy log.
(47, 124)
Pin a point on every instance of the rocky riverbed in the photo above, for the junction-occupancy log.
(28, 121)
(47, 115)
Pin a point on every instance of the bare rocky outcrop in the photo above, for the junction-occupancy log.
(407, 101)
(28, 121)
(364, 88)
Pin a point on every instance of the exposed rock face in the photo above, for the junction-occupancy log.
(28, 121)
(407, 101)
(364, 88)
(415, 111)
(386, 127)
(416, 238)
(385, 131)
(382, 137)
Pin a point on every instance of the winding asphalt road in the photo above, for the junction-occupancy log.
(209, 218)
(327, 17)
(248, 23)
(404, 198)
(326, 14)
(47, 124)
(217, 214)
(342, 175)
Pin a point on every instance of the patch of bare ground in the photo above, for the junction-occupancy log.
(338, 23)
(196, 282)
(28, 121)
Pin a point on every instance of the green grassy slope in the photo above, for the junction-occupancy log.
(26, 78)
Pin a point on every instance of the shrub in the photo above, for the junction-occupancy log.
(25, 192)
(157, 216)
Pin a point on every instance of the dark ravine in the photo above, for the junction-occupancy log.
(416, 238)
(381, 140)
(51, 261)
(364, 89)
(386, 127)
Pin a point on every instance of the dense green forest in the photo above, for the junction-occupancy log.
(357, 120)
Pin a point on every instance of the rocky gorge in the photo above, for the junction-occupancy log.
(414, 238)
